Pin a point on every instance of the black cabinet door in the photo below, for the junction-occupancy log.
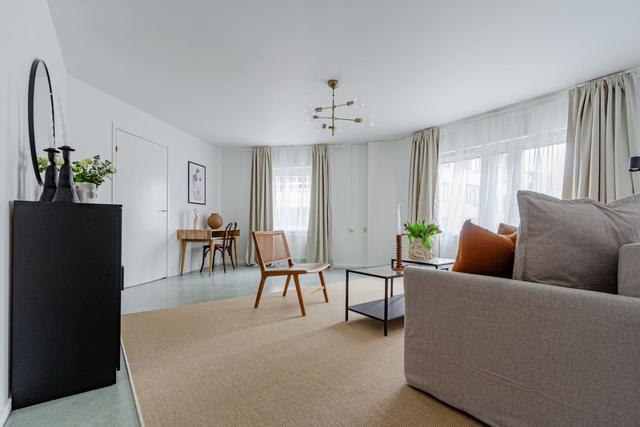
(66, 266)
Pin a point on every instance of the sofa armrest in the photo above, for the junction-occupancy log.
(629, 270)
(519, 353)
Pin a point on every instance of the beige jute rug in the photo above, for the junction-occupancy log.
(226, 363)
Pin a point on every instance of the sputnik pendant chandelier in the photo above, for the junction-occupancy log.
(330, 121)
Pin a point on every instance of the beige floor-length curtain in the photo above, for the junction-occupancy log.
(601, 137)
(319, 237)
(423, 174)
(260, 205)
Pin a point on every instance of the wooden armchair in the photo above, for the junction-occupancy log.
(272, 247)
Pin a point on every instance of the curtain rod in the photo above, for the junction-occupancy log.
(506, 109)
(635, 72)
(396, 139)
(297, 147)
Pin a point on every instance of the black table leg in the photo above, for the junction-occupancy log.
(346, 299)
(391, 286)
(386, 304)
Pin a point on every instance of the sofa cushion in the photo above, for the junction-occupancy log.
(573, 243)
(629, 270)
(481, 251)
(505, 229)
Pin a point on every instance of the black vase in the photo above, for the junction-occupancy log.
(50, 176)
(66, 191)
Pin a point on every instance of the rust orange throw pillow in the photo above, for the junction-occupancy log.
(484, 252)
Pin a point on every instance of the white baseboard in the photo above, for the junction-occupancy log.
(4, 413)
(131, 383)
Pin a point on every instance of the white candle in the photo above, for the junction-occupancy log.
(398, 220)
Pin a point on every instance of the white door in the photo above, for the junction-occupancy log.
(141, 186)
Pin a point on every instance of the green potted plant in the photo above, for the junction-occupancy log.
(89, 175)
(420, 235)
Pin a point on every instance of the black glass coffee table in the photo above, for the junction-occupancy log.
(388, 308)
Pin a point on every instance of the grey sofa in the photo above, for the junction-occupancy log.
(515, 353)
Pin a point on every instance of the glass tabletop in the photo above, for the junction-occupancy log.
(434, 262)
(383, 272)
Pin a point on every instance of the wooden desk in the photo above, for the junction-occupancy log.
(204, 236)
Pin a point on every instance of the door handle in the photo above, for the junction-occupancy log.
(163, 210)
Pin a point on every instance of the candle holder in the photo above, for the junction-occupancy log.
(50, 176)
(399, 266)
(66, 191)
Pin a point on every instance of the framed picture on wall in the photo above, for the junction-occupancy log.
(197, 184)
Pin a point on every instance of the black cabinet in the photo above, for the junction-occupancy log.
(65, 311)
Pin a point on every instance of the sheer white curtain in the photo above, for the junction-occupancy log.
(292, 195)
(485, 160)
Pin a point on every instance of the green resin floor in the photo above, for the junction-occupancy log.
(114, 405)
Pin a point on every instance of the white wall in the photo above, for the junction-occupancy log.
(236, 181)
(93, 113)
(388, 186)
(26, 32)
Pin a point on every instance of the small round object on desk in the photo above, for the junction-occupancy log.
(215, 221)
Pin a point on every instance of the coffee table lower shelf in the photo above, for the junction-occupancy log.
(375, 309)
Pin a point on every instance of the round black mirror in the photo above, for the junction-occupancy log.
(42, 130)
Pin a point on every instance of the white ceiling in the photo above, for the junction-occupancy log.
(241, 72)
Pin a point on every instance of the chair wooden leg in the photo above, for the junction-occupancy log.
(299, 292)
(286, 286)
(235, 250)
(212, 257)
(260, 288)
(224, 262)
(324, 286)
(204, 257)
(233, 261)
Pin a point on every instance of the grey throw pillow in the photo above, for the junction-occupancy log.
(573, 243)
(504, 229)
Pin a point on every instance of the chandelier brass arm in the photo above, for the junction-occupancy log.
(344, 104)
(357, 119)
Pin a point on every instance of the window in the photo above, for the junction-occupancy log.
(292, 196)
(486, 160)
(473, 195)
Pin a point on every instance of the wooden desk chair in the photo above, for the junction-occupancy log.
(272, 247)
(225, 247)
